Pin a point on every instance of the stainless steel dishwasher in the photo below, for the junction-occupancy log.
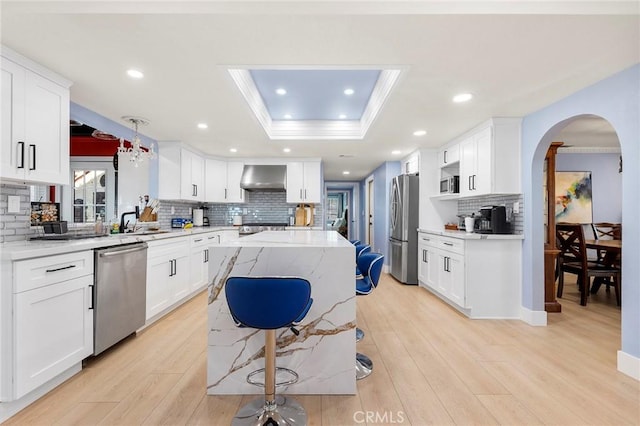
(119, 293)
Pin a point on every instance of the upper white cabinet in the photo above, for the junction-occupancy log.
(304, 182)
(490, 159)
(449, 155)
(222, 181)
(173, 161)
(35, 122)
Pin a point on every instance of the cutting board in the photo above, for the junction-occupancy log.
(304, 215)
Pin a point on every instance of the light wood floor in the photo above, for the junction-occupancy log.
(431, 366)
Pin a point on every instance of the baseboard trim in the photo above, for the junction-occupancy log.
(629, 365)
(535, 318)
(11, 408)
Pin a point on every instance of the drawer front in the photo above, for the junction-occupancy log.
(454, 245)
(173, 249)
(43, 271)
(205, 239)
(429, 240)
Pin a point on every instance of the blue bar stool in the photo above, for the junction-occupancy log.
(360, 249)
(371, 266)
(354, 242)
(269, 303)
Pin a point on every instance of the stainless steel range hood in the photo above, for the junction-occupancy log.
(264, 178)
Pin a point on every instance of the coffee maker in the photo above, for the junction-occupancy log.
(492, 220)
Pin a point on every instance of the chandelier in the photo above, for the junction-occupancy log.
(135, 152)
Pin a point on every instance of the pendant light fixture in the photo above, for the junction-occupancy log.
(135, 152)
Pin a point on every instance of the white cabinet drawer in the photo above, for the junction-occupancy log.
(454, 245)
(42, 271)
(171, 247)
(428, 239)
(203, 240)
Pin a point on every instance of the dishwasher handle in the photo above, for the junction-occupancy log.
(125, 251)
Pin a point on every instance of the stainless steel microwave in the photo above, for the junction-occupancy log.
(450, 185)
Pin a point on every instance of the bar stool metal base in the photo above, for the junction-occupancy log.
(359, 334)
(287, 412)
(364, 366)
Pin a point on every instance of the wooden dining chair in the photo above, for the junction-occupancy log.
(607, 230)
(573, 259)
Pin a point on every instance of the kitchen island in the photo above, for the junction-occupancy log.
(323, 354)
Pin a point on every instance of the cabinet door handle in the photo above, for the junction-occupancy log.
(61, 269)
(474, 182)
(301, 193)
(448, 244)
(445, 157)
(305, 194)
(198, 240)
(21, 164)
(206, 255)
(171, 268)
(32, 156)
(469, 185)
(225, 193)
(91, 296)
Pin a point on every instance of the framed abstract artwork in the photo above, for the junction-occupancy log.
(573, 197)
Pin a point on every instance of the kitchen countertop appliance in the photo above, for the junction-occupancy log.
(403, 241)
(254, 228)
(492, 220)
(119, 294)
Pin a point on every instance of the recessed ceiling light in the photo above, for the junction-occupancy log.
(286, 150)
(419, 133)
(135, 73)
(462, 97)
(202, 126)
(346, 172)
(280, 91)
(342, 116)
(396, 152)
(233, 150)
(349, 92)
(287, 116)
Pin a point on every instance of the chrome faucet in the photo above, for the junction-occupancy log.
(122, 216)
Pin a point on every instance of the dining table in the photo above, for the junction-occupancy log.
(612, 253)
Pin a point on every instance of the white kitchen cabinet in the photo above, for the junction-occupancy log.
(180, 173)
(35, 123)
(477, 275)
(192, 186)
(304, 182)
(449, 155)
(52, 319)
(168, 275)
(223, 181)
(490, 159)
(199, 259)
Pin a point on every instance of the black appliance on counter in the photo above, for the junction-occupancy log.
(492, 220)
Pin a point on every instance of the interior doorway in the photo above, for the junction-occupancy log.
(369, 218)
(590, 148)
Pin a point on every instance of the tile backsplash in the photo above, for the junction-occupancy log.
(15, 226)
(259, 207)
(472, 205)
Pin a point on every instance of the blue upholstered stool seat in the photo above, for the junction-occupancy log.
(269, 303)
(370, 264)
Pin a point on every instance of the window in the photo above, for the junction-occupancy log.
(92, 192)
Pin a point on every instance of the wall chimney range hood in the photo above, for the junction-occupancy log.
(264, 177)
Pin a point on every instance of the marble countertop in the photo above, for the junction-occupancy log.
(19, 250)
(291, 238)
(472, 235)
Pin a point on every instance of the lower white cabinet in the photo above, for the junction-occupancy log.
(168, 273)
(479, 276)
(53, 331)
(199, 259)
(51, 320)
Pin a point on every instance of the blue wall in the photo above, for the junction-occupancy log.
(616, 99)
(605, 180)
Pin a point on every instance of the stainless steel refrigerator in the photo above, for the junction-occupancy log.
(403, 235)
